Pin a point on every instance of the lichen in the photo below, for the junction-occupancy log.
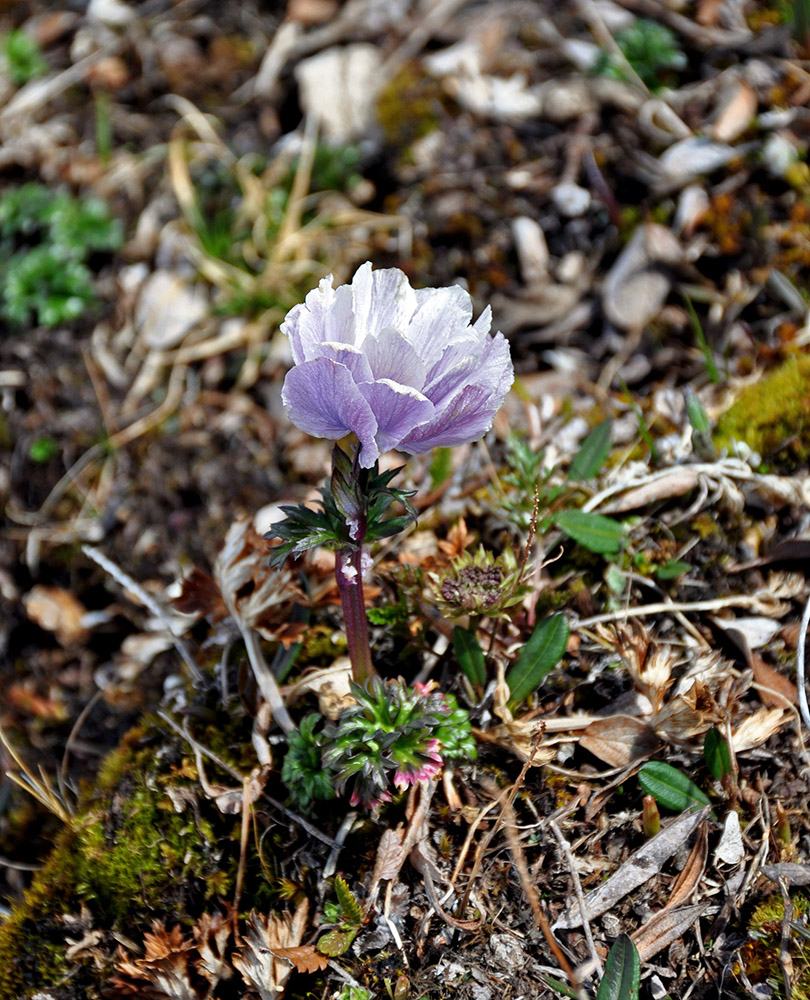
(773, 415)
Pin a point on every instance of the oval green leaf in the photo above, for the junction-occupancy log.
(716, 754)
(600, 534)
(670, 787)
(541, 654)
(592, 452)
(470, 656)
(622, 972)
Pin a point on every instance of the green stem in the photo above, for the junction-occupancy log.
(349, 576)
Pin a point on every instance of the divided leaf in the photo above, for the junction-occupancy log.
(541, 654)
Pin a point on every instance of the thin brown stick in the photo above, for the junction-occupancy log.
(243, 841)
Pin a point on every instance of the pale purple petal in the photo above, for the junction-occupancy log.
(398, 408)
(322, 399)
(349, 356)
(391, 356)
(490, 362)
(467, 417)
(381, 299)
(399, 367)
(442, 316)
(325, 314)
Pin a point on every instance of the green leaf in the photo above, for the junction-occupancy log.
(698, 417)
(600, 534)
(43, 449)
(592, 452)
(670, 787)
(716, 754)
(542, 653)
(336, 943)
(622, 972)
(441, 466)
(470, 656)
(352, 910)
(672, 569)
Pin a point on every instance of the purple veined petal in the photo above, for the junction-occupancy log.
(322, 399)
(442, 316)
(398, 409)
(380, 299)
(467, 417)
(489, 367)
(325, 315)
(349, 356)
(445, 383)
(391, 356)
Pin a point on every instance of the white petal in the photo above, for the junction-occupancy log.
(381, 299)
(442, 317)
(391, 356)
(325, 315)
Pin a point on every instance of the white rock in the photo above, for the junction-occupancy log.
(167, 309)
(779, 154)
(110, 13)
(571, 200)
(499, 97)
(532, 249)
(339, 87)
(692, 157)
(637, 286)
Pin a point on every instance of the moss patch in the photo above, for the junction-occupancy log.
(128, 855)
(772, 416)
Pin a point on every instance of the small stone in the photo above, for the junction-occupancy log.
(571, 200)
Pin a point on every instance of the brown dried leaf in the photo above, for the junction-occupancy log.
(619, 740)
(56, 610)
(390, 857)
(305, 958)
(776, 690)
(639, 867)
(759, 727)
(671, 483)
(256, 961)
(663, 928)
(162, 973)
(211, 934)
(200, 595)
(254, 592)
(736, 112)
(692, 871)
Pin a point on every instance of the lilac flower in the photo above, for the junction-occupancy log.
(400, 367)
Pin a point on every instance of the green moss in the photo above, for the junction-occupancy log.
(127, 855)
(772, 416)
(760, 956)
(321, 644)
(409, 107)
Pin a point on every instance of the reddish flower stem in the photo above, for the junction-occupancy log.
(350, 588)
